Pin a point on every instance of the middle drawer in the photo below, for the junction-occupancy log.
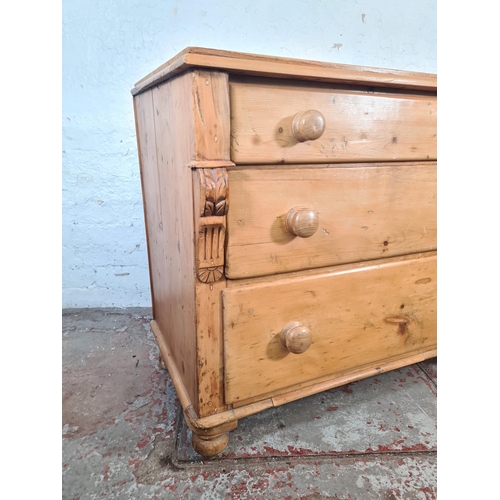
(355, 213)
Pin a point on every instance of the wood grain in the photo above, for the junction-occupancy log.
(210, 205)
(305, 273)
(304, 389)
(226, 419)
(166, 355)
(347, 315)
(364, 212)
(180, 123)
(164, 148)
(210, 361)
(210, 196)
(302, 222)
(359, 126)
(308, 125)
(296, 337)
(279, 67)
(211, 120)
(350, 376)
(146, 147)
(171, 238)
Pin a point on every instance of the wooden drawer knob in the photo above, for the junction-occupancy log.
(296, 337)
(302, 221)
(308, 125)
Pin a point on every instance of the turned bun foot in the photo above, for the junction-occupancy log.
(210, 446)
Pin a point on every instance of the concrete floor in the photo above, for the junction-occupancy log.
(124, 435)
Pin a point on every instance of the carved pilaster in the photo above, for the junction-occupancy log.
(214, 204)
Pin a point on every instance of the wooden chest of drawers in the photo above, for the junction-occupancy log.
(290, 212)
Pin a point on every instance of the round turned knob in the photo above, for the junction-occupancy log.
(302, 221)
(308, 125)
(296, 337)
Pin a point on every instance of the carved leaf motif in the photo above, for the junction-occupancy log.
(215, 183)
(214, 203)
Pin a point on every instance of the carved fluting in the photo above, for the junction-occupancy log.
(212, 223)
(213, 234)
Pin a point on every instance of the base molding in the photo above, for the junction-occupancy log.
(212, 433)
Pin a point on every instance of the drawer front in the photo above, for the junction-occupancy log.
(362, 213)
(358, 126)
(355, 318)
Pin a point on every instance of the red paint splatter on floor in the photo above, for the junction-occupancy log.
(143, 443)
(415, 447)
(397, 446)
(332, 408)
(429, 492)
(106, 473)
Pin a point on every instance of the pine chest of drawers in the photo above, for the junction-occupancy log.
(290, 212)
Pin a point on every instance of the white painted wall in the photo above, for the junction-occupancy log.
(110, 44)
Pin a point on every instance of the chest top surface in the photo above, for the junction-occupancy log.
(281, 67)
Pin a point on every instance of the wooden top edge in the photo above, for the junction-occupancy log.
(282, 67)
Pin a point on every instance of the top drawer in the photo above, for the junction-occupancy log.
(358, 126)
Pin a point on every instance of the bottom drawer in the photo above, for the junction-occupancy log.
(351, 318)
